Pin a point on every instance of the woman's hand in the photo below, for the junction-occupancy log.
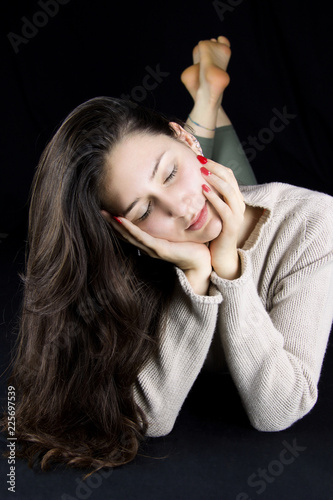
(224, 195)
(193, 258)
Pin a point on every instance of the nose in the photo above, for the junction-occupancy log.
(175, 204)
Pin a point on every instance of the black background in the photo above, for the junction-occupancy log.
(281, 61)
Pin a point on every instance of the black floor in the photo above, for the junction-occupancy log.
(281, 63)
(212, 452)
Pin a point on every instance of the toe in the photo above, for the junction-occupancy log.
(224, 40)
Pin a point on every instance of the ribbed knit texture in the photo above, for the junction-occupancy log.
(270, 327)
(271, 324)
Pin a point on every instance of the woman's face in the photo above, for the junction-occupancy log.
(155, 182)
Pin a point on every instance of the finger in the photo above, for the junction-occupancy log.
(216, 168)
(214, 171)
(231, 218)
(225, 190)
(222, 207)
(134, 235)
(157, 248)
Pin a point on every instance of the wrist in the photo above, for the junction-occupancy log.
(199, 279)
(229, 267)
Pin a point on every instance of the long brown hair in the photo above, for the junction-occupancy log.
(92, 308)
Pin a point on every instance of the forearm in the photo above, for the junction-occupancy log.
(165, 381)
(274, 357)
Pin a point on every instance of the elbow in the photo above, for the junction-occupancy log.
(158, 419)
(276, 419)
(160, 422)
(159, 428)
(271, 426)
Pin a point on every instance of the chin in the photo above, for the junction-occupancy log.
(211, 231)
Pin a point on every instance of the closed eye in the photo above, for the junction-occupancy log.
(149, 208)
(173, 173)
(147, 212)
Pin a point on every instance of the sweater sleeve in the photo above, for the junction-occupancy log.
(275, 352)
(165, 381)
(227, 150)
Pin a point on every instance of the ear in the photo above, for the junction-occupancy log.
(186, 137)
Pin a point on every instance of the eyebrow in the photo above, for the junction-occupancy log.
(132, 205)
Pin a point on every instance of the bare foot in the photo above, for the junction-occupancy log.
(208, 72)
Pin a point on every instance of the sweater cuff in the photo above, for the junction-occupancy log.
(214, 295)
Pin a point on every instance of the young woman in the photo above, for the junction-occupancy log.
(147, 262)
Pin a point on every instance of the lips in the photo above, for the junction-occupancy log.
(199, 220)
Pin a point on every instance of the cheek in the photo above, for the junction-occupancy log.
(213, 229)
(159, 227)
(189, 187)
(192, 177)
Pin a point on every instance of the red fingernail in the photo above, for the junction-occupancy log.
(202, 159)
(204, 171)
(116, 218)
(206, 188)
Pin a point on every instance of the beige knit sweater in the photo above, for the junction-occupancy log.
(271, 325)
